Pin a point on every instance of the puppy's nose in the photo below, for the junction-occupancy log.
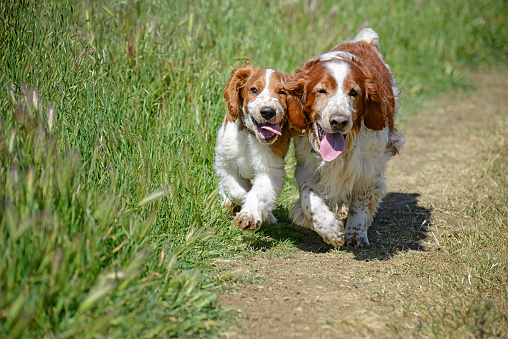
(267, 112)
(338, 121)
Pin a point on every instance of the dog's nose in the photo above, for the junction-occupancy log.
(267, 112)
(338, 121)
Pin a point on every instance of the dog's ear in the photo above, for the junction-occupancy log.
(376, 108)
(297, 120)
(294, 86)
(233, 90)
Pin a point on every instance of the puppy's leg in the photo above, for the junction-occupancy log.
(232, 188)
(326, 223)
(361, 212)
(261, 199)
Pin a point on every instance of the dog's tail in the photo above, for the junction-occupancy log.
(368, 35)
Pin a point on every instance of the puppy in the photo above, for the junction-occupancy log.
(349, 103)
(252, 142)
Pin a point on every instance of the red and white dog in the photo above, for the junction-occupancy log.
(252, 142)
(349, 102)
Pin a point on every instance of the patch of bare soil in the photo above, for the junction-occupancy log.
(320, 292)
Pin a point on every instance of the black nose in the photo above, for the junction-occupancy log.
(338, 121)
(267, 112)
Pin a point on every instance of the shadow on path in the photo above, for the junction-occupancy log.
(399, 225)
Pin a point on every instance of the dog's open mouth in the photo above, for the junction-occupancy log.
(331, 144)
(267, 132)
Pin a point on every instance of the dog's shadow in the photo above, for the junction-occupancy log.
(399, 225)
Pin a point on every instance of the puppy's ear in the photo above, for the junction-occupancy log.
(376, 109)
(233, 90)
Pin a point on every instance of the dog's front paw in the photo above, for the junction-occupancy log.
(332, 234)
(247, 221)
(330, 228)
(334, 237)
(356, 238)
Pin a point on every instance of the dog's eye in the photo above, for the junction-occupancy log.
(322, 91)
(281, 92)
(353, 93)
(254, 90)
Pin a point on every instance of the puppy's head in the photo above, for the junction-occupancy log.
(336, 95)
(259, 99)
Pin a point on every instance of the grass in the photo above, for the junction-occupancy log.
(465, 280)
(109, 215)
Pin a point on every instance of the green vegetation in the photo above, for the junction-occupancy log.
(109, 217)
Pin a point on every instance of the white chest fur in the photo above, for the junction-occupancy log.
(353, 170)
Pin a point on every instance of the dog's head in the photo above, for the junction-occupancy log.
(259, 99)
(337, 94)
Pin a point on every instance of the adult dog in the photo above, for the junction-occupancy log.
(252, 142)
(349, 103)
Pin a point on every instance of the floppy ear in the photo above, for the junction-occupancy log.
(297, 120)
(375, 115)
(294, 87)
(233, 90)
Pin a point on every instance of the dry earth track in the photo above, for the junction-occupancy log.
(319, 292)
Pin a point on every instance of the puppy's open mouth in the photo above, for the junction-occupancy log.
(331, 145)
(267, 132)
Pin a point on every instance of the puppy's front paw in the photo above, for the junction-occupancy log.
(356, 238)
(247, 221)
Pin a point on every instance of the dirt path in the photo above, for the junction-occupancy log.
(320, 292)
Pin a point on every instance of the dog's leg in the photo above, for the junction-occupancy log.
(361, 212)
(232, 188)
(298, 217)
(261, 199)
(326, 223)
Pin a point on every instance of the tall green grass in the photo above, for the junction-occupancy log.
(109, 215)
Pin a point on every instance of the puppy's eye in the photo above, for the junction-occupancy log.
(254, 90)
(353, 93)
(281, 92)
(322, 91)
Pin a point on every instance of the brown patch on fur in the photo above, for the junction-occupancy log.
(369, 76)
(233, 90)
(303, 87)
(297, 119)
(247, 222)
(378, 81)
(238, 93)
(281, 145)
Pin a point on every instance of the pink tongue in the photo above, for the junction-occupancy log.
(274, 128)
(332, 146)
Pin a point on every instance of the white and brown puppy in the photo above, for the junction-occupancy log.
(349, 102)
(252, 142)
